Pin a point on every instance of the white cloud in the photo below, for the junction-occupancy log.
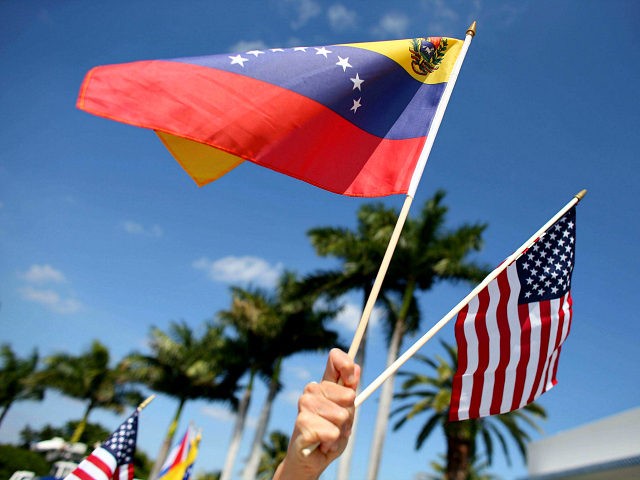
(246, 270)
(218, 413)
(393, 24)
(291, 396)
(135, 228)
(340, 17)
(349, 316)
(247, 45)
(301, 10)
(42, 274)
(298, 372)
(51, 300)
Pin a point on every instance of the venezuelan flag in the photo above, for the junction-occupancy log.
(351, 119)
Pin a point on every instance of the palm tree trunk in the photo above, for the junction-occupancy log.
(344, 464)
(253, 463)
(166, 444)
(384, 407)
(386, 395)
(4, 412)
(79, 430)
(458, 454)
(238, 429)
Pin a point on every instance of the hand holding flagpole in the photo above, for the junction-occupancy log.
(404, 212)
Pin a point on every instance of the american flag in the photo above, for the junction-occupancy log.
(510, 335)
(114, 458)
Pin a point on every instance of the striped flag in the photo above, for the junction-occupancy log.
(178, 453)
(510, 335)
(114, 458)
(351, 119)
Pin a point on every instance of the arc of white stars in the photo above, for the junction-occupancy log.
(255, 53)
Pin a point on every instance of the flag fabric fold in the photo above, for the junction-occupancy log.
(510, 335)
(114, 458)
(351, 119)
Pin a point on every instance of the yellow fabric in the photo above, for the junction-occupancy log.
(398, 50)
(177, 472)
(202, 162)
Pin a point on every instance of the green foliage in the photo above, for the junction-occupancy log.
(427, 393)
(274, 451)
(93, 433)
(141, 464)
(88, 377)
(14, 458)
(215, 475)
(477, 470)
(17, 379)
(184, 365)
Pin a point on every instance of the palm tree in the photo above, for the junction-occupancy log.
(427, 253)
(274, 452)
(477, 470)
(244, 317)
(361, 253)
(431, 395)
(88, 377)
(296, 324)
(16, 379)
(186, 367)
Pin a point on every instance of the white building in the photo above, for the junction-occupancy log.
(607, 449)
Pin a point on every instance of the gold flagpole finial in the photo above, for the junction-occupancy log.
(472, 29)
(580, 195)
(146, 402)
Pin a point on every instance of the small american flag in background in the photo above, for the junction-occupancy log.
(510, 335)
(114, 458)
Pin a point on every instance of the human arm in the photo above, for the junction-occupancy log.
(325, 417)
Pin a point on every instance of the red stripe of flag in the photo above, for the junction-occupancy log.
(504, 333)
(545, 333)
(461, 340)
(525, 352)
(483, 352)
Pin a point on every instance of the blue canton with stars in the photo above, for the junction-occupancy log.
(122, 442)
(545, 269)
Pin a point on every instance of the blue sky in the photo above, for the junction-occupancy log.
(102, 235)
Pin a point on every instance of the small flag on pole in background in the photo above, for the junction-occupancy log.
(178, 453)
(351, 118)
(180, 467)
(510, 335)
(114, 458)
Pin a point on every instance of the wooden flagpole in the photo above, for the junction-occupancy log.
(393, 368)
(404, 212)
(413, 186)
(146, 402)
